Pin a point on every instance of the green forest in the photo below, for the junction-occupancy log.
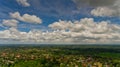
(60, 56)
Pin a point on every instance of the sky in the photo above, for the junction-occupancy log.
(59, 21)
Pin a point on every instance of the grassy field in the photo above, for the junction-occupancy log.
(60, 56)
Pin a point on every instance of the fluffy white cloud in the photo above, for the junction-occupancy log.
(4, 34)
(112, 9)
(101, 8)
(88, 30)
(61, 25)
(84, 31)
(23, 3)
(103, 11)
(10, 23)
(26, 18)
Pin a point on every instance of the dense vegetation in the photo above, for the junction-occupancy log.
(60, 56)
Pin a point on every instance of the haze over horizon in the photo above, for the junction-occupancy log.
(60, 21)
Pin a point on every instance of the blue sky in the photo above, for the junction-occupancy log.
(25, 16)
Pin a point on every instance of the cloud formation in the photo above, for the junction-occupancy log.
(26, 18)
(101, 7)
(103, 11)
(94, 3)
(84, 31)
(23, 3)
(61, 25)
(10, 23)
